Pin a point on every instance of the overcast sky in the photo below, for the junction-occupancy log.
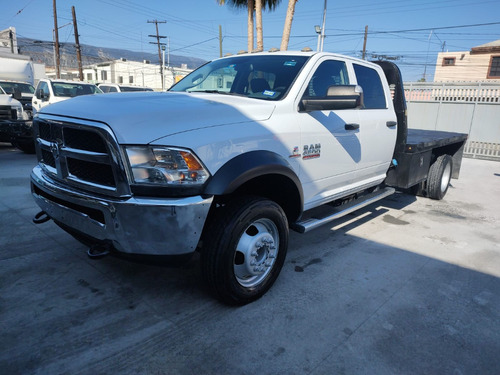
(411, 31)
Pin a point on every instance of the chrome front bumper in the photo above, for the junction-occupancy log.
(135, 225)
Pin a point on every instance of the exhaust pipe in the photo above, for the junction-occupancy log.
(41, 218)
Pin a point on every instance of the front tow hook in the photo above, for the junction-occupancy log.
(98, 251)
(41, 218)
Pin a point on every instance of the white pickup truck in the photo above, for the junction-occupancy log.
(235, 154)
(12, 116)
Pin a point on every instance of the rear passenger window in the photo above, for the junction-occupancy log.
(373, 91)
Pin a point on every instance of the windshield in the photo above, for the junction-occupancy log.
(254, 76)
(68, 89)
(24, 88)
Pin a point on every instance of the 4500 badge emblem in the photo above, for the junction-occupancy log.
(310, 152)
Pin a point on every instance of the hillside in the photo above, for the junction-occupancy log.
(42, 51)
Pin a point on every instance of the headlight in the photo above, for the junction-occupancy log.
(21, 115)
(165, 166)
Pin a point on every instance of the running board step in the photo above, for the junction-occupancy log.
(311, 223)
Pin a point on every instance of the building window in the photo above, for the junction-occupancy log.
(494, 71)
(120, 79)
(104, 75)
(89, 76)
(130, 79)
(449, 61)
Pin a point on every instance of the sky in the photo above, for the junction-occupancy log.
(410, 31)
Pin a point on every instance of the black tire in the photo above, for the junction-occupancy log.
(27, 147)
(439, 177)
(244, 248)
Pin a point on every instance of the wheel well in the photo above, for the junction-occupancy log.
(455, 150)
(277, 188)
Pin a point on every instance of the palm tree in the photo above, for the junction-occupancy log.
(288, 25)
(253, 6)
(258, 24)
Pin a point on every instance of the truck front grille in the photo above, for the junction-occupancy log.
(96, 173)
(83, 155)
(7, 113)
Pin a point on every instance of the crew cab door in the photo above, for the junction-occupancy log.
(329, 149)
(378, 124)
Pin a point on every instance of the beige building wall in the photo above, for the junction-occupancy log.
(468, 66)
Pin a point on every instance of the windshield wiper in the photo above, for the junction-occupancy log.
(213, 92)
(218, 92)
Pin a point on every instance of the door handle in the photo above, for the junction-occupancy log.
(390, 124)
(351, 126)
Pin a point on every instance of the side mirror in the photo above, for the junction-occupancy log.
(42, 95)
(337, 97)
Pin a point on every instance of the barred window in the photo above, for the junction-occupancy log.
(449, 61)
(494, 71)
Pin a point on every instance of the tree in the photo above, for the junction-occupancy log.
(258, 24)
(253, 6)
(288, 25)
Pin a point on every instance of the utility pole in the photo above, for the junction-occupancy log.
(364, 43)
(77, 45)
(56, 42)
(220, 41)
(158, 37)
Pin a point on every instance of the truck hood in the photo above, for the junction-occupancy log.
(143, 117)
(8, 100)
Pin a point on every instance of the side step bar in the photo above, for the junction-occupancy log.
(311, 223)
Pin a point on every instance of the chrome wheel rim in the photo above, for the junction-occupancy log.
(256, 252)
(445, 181)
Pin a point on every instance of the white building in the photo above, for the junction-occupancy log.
(134, 73)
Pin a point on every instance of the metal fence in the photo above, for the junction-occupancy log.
(472, 108)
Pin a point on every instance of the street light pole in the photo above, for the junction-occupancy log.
(317, 28)
(163, 69)
(323, 28)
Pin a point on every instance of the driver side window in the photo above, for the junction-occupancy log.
(329, 73)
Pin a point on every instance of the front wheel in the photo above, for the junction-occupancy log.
(27, 147)
(244, 248)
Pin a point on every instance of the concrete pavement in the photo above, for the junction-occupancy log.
(405, 286)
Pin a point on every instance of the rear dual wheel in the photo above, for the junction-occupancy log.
(439, 177)
(244, 248)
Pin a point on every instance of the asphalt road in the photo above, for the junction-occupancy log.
(405, 286)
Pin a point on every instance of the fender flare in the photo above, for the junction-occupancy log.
(248, 166)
